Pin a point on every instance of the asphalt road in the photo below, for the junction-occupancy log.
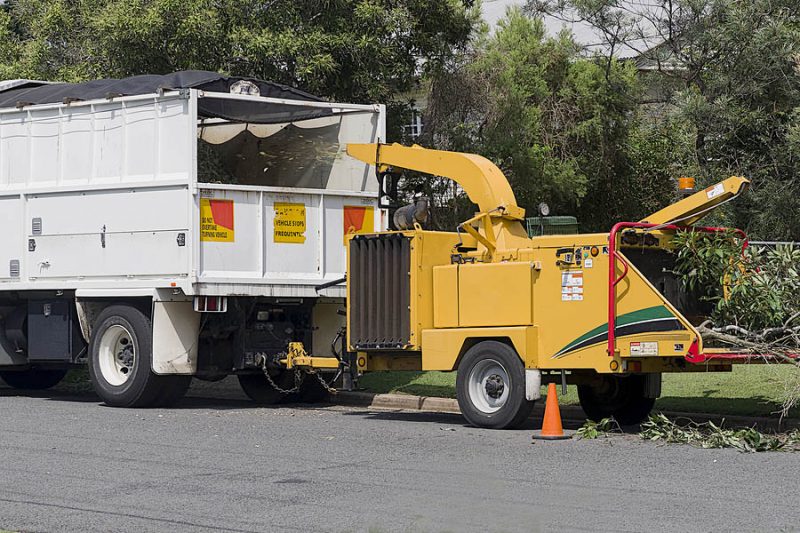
(71, 464)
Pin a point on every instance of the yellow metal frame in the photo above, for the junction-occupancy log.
(690, 210)
(481, 180)
(298, 358)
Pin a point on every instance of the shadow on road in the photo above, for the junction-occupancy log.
(58, 395)
(535, 422)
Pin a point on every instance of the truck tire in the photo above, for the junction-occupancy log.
(33, 379)
(620, 397)
(258, 389)
(120, 361)
(490, 387)
(312, 391)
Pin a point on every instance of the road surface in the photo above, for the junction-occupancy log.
(216, 463)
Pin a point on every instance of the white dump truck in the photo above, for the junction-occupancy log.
(165, 227)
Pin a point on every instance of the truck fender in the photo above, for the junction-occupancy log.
(87, 311)
(176, 330)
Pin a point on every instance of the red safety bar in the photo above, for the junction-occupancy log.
(738, 357)
(613, 280)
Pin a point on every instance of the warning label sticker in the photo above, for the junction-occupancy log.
(358, 219)
(572, 286)
(216, 220)
(716, 190)
(290, 223)
(644, 348)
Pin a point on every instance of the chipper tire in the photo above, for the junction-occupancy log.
(33, 379)
(120, 361)
(620, 397)
(490, 387)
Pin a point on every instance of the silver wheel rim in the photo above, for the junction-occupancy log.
(117, 355)
(489, 386)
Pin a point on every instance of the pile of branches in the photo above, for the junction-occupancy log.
(660, 428)
(710, 435)
(751, 295)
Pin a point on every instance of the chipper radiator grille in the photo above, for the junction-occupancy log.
(379, 291)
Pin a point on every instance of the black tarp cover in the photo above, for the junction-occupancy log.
(235, 110)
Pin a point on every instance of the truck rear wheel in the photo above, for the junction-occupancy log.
(312, 390)
(258, 389)
(120, 357)
(490, 387)
(33, 379)
(620, 397)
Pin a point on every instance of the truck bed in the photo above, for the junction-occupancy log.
(105, 196)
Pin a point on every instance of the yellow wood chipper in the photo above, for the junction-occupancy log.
(509, 312)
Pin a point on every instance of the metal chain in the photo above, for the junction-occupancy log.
(298, 378)
(325, 384)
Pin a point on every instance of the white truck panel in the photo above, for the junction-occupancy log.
(12, 240)
(127, 140)
(120, 210)
(108, 234)
(104, 195)
(256, 255)
(15, 151)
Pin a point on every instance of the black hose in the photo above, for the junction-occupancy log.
(330, 284)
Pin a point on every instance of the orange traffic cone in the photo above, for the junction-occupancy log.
(551, 426)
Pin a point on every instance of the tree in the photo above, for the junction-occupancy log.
(355, 50)
(555, 123)
(729, 69)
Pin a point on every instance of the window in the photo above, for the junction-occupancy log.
(414, 129)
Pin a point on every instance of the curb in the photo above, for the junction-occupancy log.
(571, 413)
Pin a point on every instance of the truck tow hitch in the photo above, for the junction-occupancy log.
(297, 360)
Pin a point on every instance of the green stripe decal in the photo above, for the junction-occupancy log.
(642, 315)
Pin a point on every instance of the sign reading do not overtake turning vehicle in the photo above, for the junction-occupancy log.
(216, 220)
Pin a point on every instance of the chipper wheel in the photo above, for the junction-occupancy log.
(490, 386)
(617, 396)
(120, 357)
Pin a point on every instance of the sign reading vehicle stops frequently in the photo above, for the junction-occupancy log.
(289, 223)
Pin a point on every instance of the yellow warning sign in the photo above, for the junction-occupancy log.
(290, 223)
(216, 220)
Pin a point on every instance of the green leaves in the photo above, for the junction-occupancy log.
(591, 430)
(726, 74)
(352, 50)
(551, 119)
(709, 435)
(755, 290)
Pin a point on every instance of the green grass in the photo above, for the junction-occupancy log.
(76, 381)
(748, 390)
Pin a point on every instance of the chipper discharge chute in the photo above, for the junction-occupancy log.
(509, 313)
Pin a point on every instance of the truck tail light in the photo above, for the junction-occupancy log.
(210, 304)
